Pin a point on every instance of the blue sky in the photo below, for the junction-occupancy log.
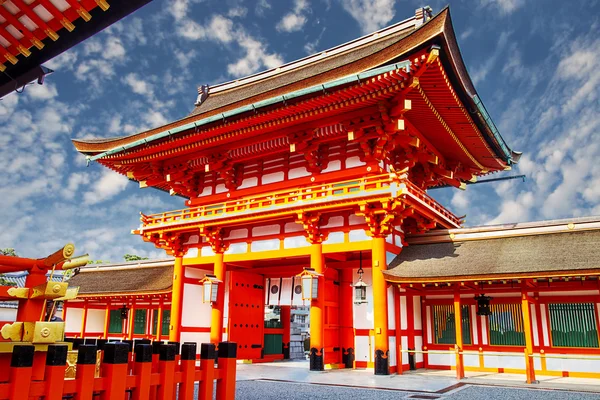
(535, 64)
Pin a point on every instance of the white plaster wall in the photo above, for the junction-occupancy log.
(474, 333)
(492, 361)
(264, 230)
(356, 219)
(194, 239)
(237, 248)
(265, 245)
(363, 313)
(272, 178)
(191, 253)
(297, 173)
(206, 191)
(571, 293)
(220, 188)
(417, 312)
(195, 313)
(74, 318)
(334, 165)
(403, 314)
(484, 332)
(335, 237)
(294, 242)
(555, 364)
(534, 326)
(94, 321)
(358, 235)
(8, 314)
(286, 292)
(196, 273)
(361, 346)
(392, 349)
(353, 162)
(404, 342)
(206, 251)
(442, 359)
(248, 182)
(429, 326)
(471, 360)
(238, 234)
(196, 337)
(293, 227)
(334, 222)
(419, 346)
(545, 333)
(391, 308)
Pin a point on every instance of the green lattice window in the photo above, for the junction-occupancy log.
(139, 322)
(166, 320)
(505, 325)
(573, 324)
(115, 324)
(444, 325)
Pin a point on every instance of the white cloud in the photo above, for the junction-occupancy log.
(239, 12)
(65, 61)
(261, 7)
(504, 6)
(106, 187)
(138, 85)
(371, 15)
(190, 30)
(220, 29)
(294, 20)
(74, 183)
(155, 118)
(482, 71)
(47, 91)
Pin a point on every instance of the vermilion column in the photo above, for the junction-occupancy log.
(30, 310)
(529, 366)
(286, 319)
(106, 320)
(176, 300)
(380, 308)
(317, 329)
(159, 318)
(216, 326)
(460, 366)
(84, 318)
(131, 322)
(346, 319)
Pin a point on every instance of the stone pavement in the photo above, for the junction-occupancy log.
(421, 381)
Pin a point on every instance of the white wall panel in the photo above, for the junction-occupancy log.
(8, 314)
(534, 326)
(556, 364)
(334, 222)
(363, 313)
(191, 253)
(196, 273)
(545, 325)
(442, 359)
(358, 235)
(195, 313)
(237, 248)
(356, 219)
(419, 346)
(391, 308)
(392, 349)
(237, 234)
(354, 162)
(335, 237)
(403, 314)
(492, 361)
(297, 173)
(361, 348)
(74, 317)
(206, 251)
(265, 245)
(264, 230)
(293, 227)
(404, 342)
(429, 324)
(294, 242)
(94, 321)
(471, 360)
(474, 334)
(484, 331)
(249, 182)
(334, 165)
(417, 312)
(220, 188)
(272, 178)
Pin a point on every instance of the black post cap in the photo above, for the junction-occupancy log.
(86, 354)
(143, 352)
(130, 343)
(22, 356)
(177, 346)
(116, 353)
(100, 343)
(188, 351)
(78, 342)
(140, 341)
(168, 352)
(208, 351)
(69, 339)
(57, 355)
(156, 346)
(90, 341)
(227, 350)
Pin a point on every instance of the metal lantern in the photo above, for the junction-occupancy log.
(360, 289)
(310, 284)
(210, 286)
(483, 305)
(124, 311)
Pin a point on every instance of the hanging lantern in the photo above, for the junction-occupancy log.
(124, 311)
(360, 289)
(210, 285)
(310, 284)
(483, 305)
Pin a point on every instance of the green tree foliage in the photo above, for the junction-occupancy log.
(133, 257)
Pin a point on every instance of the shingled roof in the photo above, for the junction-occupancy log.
(540, 255)
(150, 277)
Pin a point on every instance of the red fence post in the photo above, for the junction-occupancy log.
(166, 368)
(207, 365)
(54, 375)
(227, 366)
(114, 370)
(188, 371)
(85, 373)
(143, 372)
(21, 368)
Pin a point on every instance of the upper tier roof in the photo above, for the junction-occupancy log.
(385, 47)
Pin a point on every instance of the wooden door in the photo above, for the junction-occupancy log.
(246, 314)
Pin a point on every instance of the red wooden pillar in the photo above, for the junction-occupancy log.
(346, 317)
(188, 371)
(84, 319)
(114, 370)
(460, 366)
(54, 376)
(30, 310)
(207, 366)
(286, 324)
(86, 369)
(21, 369)
(166, 368)
(142, 371)
(227, 370)
(380, 309)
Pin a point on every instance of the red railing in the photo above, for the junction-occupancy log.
(158, 371)
(357, 188)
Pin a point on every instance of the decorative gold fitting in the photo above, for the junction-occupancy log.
(19, 293)
(433, 55)
(12, 332)
(60, 255)
(2, 67)
(43, 332)
(84, 14)
(75, 262)
(102, 4)
(50, 290)
(23, 50)
(67, 24)
(37, 43)
(51, 34)
(12, 59)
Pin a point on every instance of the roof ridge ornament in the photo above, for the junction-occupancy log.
(202, 94)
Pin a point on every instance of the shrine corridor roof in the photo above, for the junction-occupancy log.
(127, 278)
(567, 253)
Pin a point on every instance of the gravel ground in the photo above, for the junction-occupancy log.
(261, 390)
